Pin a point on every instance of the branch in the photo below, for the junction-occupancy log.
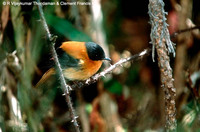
(183, 31)
(161, 41)
(157, 15)
(94, 78)
(65, 88)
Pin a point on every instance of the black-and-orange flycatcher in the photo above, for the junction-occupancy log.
(78, 60)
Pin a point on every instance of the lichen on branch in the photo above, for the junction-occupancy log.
(160, 39)
(159, 26)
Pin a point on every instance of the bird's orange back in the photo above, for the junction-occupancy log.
(75, 49)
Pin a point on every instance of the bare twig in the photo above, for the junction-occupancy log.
(94, 78)
(119, 63)
(183, 31)
(161, 41)
(65, 88)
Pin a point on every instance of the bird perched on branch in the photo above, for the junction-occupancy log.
(78, 60)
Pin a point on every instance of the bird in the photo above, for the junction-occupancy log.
(78, 60)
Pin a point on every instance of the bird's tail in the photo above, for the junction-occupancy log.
(46, 77)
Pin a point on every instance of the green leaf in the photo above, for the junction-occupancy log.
(88, 108)
(65, 28)
(114, 87)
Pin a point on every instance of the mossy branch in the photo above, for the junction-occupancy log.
(160, 39)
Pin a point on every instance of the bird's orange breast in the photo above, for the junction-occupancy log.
(87, 68)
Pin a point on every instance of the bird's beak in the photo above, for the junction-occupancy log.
(108, 59)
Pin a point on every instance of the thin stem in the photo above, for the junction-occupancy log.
(64, 86)
(183, 31)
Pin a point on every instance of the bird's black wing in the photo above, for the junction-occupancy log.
(66, 60)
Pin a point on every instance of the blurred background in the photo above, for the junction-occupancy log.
(129, 99)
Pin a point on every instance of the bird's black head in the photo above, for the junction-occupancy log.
(95, 52)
